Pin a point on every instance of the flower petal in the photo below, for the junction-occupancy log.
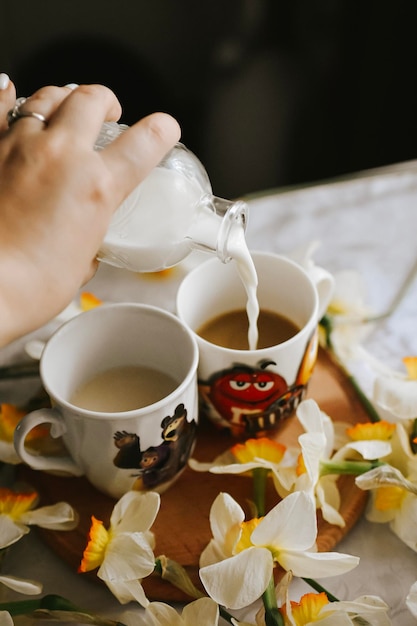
(5, 619)
(225, 514)
(164, 615)
(10, 531)
(290, 525)
(411, 600)
(22, 585)
(128, 557)
(202, 612)
(128, 591)
(60, 516)
(135, 511)
(237, 582)
(317, 564)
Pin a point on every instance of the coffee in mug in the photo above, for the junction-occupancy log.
(122, 379)
(251, 391)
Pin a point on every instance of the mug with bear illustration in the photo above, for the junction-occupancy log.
(122, 380)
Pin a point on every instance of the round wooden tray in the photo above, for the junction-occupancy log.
(182, 527)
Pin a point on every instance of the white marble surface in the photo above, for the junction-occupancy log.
(367, 223)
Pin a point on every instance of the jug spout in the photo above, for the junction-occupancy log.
(215, 221)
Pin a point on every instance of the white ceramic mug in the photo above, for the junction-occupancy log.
(141, 448)
(252, 391)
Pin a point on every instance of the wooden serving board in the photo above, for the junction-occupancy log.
(182, 526)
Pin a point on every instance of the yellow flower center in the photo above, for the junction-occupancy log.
(301, 468)
(245, 538)
(89, 301)
(410, 363)
(308, 609)
(389, 497)
(262, 448)
(16, 504)
(337, 307)
(94, 553)
(381, 430)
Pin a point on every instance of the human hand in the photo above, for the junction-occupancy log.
(58, 194)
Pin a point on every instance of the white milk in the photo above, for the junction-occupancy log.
(240, 254)
(151, 236)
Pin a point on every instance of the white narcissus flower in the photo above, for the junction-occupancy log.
(315, 608)
(17, 514)
(393, 501)
(237, 565)
(201, 612)
(124, 552)
(253, 454)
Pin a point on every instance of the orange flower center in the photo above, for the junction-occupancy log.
(381, 430)
(308, 609)
(16, 504)
(262, 448)
(94, 552)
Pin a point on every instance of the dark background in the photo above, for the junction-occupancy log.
(268, 93)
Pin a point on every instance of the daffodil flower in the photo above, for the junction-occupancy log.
(236, 567)
(202, 612)
(256, 458)
(323, 608)
(393, 500)
(317, 470)
(124, 552)
(17, 514)
(316, 609)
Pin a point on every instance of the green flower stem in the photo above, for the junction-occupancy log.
(367, 405)
(317, 587)
(259, 476)
(272, 615)
(51, 602)
(355, 468)
(55, 608)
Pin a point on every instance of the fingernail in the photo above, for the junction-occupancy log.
(72, 86)
(4, 81)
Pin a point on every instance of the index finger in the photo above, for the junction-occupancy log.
(134, 153)
(84, 110)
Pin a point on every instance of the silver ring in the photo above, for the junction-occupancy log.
(16, 113)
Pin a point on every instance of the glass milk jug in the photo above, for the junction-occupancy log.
(172, 212)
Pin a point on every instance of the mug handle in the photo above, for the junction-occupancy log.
(43, 462)
(324, 282)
